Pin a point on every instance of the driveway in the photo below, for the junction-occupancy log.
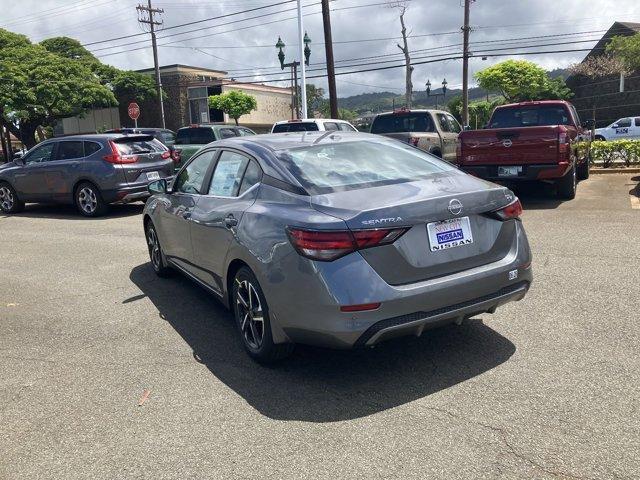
(544, 388)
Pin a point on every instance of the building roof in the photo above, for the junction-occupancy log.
(181, 68)
(624, 29)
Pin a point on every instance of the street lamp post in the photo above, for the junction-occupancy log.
(300, 105)
(436, 95)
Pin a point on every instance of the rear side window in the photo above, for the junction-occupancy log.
(296, 127)
(91, 147)
(330, 126)
(132, 146)
(530, 116)
(168, 138)
(252, 175)
(228, 174)
(349, 165)
(345, 127)
(227, 133)
(244, 132)
(454, 126)
(70, 149)
(402, 122)
(195, 136)
(638, 122)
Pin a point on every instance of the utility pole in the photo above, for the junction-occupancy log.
(331, 72)
(152, 29)
(303, 72)
(465, 65)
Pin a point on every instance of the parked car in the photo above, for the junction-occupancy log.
(622, 129)
(541, 140)
(313, 125)
(164, 135)
(433, 131)
(340, 240)
(191, 139)
(90, 171)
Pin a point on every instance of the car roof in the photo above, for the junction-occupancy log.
(284, 141)
(97, 136)
(413, 110)
(311, 120)
(212, 125)
(535, 102)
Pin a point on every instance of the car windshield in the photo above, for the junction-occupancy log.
(402, 122)
(130, 146)
(195, 136)
(296, 127)
(530, 116)
(352, 165)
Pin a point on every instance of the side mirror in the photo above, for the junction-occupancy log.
(615, 125)
(19, 160)
(588, 123)
(467, 127)
(157, 187)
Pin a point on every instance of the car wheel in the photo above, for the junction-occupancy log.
(9, 201)
(156, 255)
(600, 138)
(89, 200)
(567, 185)
(251, 312)
(583, 169)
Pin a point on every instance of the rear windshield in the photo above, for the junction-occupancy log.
(296, 127)
(530, 116)
(402, 122)
(195, 136)
(130, 146)
(362, 164)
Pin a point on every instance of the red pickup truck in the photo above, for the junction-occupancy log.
(542, 140)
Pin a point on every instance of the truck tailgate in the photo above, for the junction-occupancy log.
(509, 146)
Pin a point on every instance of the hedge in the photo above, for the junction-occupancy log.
(607, 153)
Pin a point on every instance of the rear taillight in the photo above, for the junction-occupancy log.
(117, 158)
(414, 141)
(166, 155)
(329, 245)
(513, 210)
(176, 155)
(563, 142)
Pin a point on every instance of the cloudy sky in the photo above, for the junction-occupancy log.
(364, 31)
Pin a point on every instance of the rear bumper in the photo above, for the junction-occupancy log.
(305, 302)
(126, 194)
(529, 172)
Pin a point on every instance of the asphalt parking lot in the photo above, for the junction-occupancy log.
(544, 388)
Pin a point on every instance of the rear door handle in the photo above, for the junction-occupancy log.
(230, 221)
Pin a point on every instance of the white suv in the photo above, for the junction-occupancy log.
(312, 125)
(625, 128)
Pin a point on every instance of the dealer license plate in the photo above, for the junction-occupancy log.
(452, 233)
(153, 176)
(509, 171)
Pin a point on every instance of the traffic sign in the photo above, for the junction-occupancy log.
(134, 111)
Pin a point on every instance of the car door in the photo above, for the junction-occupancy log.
(636, 128)
(217, 214)
(622, 129)
(29, 181)
(449, 137)
(63, 169)
(175, 218)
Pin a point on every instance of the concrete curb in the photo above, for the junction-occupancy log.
(596, 171)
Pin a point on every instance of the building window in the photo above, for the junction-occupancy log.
(198, 105)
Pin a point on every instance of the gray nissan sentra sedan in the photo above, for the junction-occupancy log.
(337, 239)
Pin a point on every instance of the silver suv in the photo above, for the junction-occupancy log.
(90, 171)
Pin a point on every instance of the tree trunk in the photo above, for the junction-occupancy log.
(407, 58)
(236, 120)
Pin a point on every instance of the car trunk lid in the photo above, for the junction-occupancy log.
(152, 158)
(440, 197)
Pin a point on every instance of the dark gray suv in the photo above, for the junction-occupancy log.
(90, 171)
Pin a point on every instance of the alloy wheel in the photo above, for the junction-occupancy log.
(154, 248)
(6, 198)
(88, 200)
(250, 314)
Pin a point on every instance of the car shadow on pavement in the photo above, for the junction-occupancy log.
(321, 385)
(70, 212)
(537, 195)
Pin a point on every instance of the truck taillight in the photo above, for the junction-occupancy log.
(563, 142)
(117, 158)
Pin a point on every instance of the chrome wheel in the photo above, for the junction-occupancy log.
(154, 248)
(250, 314)
(6, 198)
(88, 200)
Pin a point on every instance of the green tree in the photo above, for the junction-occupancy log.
(315, 98)
(43, 83)
(519, 80)
(627, 49)
(234, 103)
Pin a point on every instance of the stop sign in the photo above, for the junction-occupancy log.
(134, 110)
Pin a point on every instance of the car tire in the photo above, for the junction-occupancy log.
(583, 169)
(88, 200)
(9, 200)
(156, 255)
(251, 314)
(600, 138)
(567, 185)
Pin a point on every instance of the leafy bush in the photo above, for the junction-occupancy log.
(607, 153)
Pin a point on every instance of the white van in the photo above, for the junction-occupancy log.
(312, 125)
